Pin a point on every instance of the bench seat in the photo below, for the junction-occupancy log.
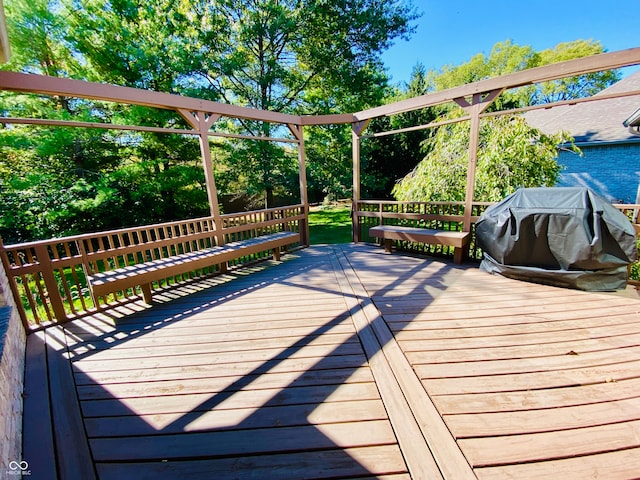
(388, 233)
(143, 274)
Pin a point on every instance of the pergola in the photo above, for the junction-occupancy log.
(201, 115)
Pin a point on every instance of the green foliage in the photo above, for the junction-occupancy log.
(39, 42)
(302, 57)
(634, 270)
(572, 87)
(329, 171)
(385, 160)
(511, 155)
(507, 57)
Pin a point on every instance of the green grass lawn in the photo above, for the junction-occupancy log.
(330, 224)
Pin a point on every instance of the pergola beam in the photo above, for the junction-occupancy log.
(41, 84)
(135, 128)
(578, 66)
(331, 119)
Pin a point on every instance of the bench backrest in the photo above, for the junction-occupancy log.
(119, 248)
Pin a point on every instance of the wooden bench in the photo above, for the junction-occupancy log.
(388, 233)
(153, 261)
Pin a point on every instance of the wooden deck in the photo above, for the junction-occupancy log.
(342, 362)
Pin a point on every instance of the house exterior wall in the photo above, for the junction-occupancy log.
(613, 171)
(12, 362)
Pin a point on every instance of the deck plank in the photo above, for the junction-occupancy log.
(73, 456)
(207, 370)
(331, 464)
(218, 384)
(538, 399)
(348, 411)
(524, 448)
(344, 362)
(227, 353)
(37, 426)
(237, 373)
(554, 419)
(422, 356)
(224, 443)
(617, 465)
(533, 381)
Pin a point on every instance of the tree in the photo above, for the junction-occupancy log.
(300, 57)
(388, 158)
(572, 87)
(507, 57)
(511, 155)
(76, 180)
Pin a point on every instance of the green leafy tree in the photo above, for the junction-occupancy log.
(74, 180)
(388, 158)
(300, 57)
(571, 87)
(507, 57)
(511, 155)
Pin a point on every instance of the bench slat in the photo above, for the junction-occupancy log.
(458, 240)
(143, 274)
(425, 235)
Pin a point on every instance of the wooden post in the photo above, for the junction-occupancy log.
(5, 268)
(298, 132)
(201, 122)
(356, 129)
(479, 103)
(474, 140)
(48, 276)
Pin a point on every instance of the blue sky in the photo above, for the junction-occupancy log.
(452, 31)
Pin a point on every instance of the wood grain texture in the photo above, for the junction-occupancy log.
(345, 362)
(533, 381)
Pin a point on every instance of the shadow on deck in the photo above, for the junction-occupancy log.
(342, 362)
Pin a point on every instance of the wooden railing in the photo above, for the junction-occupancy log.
(434, 215)
(440, 216)
(48, 278)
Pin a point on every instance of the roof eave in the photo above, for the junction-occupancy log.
(600, 143)
(633, 120)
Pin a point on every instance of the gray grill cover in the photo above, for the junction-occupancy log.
(567, 237)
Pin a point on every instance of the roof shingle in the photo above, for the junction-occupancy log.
(597, 121)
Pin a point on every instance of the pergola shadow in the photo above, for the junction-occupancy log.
(304, 405)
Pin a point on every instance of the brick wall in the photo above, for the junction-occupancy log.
(12, 357)
(613, 171)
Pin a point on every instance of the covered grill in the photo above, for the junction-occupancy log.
(567, 237)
